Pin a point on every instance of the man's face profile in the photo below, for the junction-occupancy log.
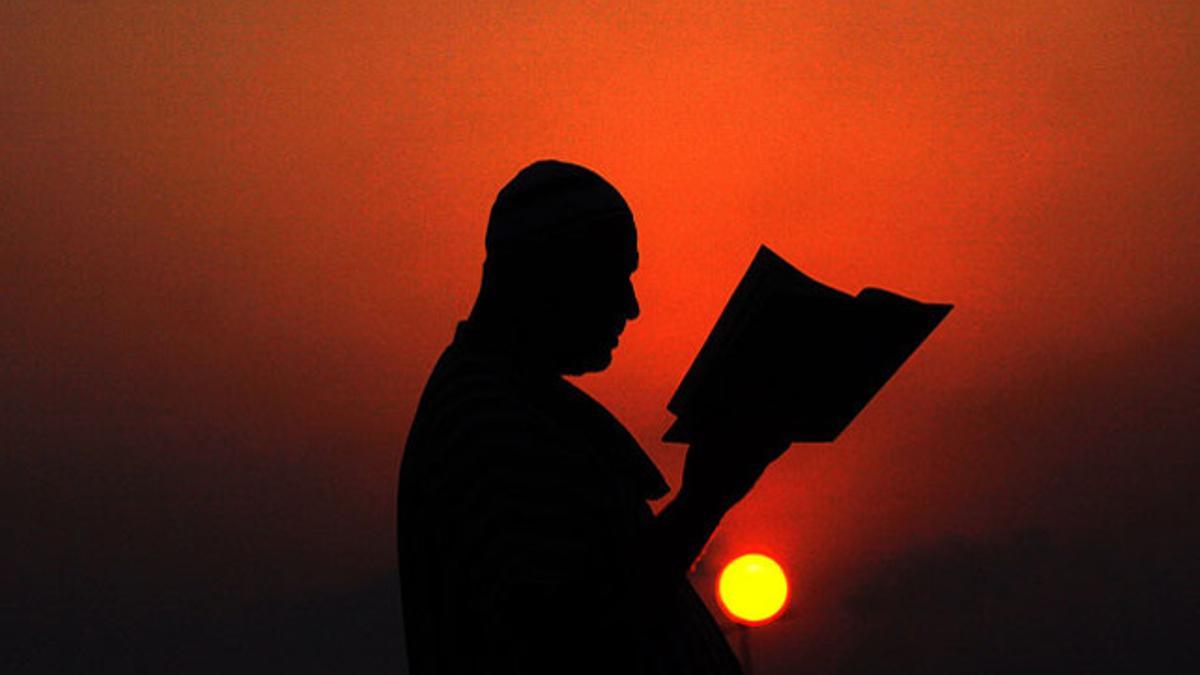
(591, 298)
(562, 248)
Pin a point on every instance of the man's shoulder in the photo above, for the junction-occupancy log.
(468, 383)
(474, 404)
(485, 433)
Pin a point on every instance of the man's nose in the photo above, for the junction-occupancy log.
(632, 308)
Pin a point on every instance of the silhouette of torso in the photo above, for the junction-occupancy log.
(522, 523)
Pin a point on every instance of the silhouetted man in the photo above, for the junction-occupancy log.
(526, 542)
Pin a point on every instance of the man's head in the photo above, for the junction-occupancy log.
(561, 247)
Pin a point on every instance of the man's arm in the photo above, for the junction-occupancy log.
(717, 474)
(551, 579)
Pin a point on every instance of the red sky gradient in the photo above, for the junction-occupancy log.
(235, 238)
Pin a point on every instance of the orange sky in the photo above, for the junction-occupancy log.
(235, 238)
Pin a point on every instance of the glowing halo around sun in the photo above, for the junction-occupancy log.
(752, 589)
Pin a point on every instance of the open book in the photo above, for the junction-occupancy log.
(792, 356)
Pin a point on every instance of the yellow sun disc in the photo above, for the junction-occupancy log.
(752, 589)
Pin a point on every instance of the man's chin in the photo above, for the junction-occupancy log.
(590, 363)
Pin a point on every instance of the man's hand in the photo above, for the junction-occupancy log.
(718, 472)
(722, 468)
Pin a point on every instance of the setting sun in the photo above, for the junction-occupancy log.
(752, 589)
